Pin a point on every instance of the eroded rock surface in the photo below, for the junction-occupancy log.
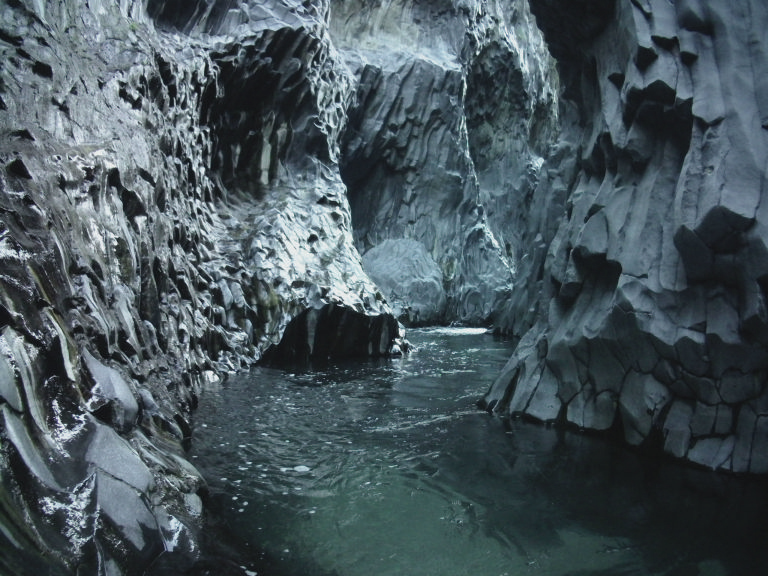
(453, 110)
(170, 207)
(405, 271)
(641, 305)
(188, 187)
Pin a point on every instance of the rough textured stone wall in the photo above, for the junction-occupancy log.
(187, 186)
(642, 304)
(170, 207)
(453, 112)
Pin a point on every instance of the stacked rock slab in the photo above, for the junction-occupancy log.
(643, 303)
(170, 203)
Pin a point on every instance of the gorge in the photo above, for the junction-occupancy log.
(191, 187)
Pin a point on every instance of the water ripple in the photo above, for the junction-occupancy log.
(386, 467)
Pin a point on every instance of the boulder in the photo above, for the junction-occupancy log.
(409, 278)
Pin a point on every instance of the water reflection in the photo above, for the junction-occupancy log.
(387, 467)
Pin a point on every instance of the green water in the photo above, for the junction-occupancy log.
(388, 468)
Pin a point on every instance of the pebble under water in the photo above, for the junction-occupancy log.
(388, 468)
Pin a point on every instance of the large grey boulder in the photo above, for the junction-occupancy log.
(642, 305)
(409, 278)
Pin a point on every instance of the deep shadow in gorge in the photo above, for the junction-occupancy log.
(185, 184)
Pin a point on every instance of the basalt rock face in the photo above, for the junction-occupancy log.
(170, 207)
(642, 303)
(453, 110)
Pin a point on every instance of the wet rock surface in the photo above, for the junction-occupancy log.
(187, 188)
(641, 303)
(170, 207)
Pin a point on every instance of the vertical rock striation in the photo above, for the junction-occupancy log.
(170, 208)
(642, 302)
(454, 107)
(186, 188)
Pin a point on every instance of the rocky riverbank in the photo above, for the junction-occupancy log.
(171, 205)
(187, 188)
(642, 305)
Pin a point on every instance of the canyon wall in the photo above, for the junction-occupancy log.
(189, 187)
(171, 210)
(186, 189)
(455, 107)
(641, 307)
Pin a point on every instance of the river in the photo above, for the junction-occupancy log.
(387, 467)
